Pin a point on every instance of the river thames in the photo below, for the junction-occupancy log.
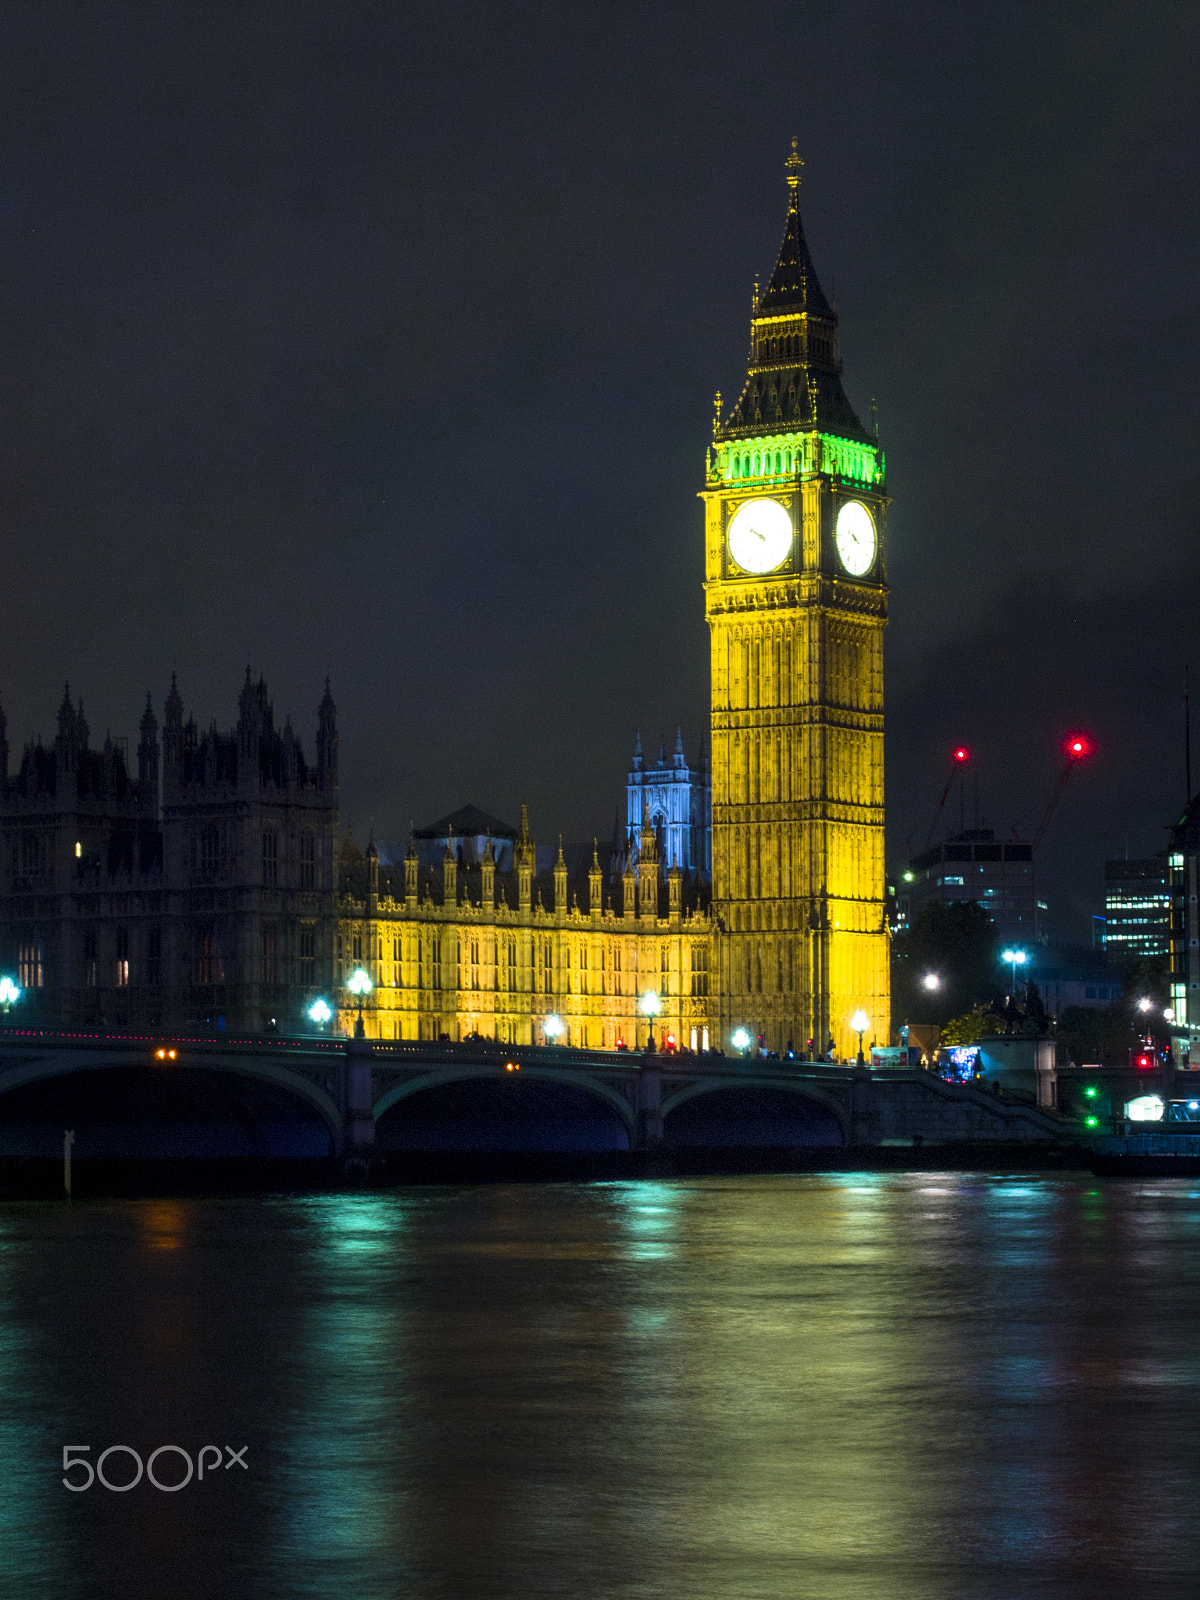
(911, 1386)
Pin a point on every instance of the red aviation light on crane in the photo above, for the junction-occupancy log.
(960, 754)
(1077, 747)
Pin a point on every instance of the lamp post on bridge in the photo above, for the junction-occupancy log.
(650, 1006)
(860, 1022)
(360, 984)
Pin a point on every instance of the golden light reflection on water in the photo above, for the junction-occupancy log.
(162, 1224)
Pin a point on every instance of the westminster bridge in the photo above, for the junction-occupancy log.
(361, 1095)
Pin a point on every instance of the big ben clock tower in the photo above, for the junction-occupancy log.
(796, 597)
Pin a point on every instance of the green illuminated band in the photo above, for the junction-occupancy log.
(784, 455)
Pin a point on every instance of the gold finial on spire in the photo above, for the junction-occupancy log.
(791, 168)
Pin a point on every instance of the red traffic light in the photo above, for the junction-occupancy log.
(1077, 746)
(1143, 1060)
(961, 753)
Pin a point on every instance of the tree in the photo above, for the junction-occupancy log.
(1087, 1034)
(972, 1026)
(1090, 1036)
(955, 941)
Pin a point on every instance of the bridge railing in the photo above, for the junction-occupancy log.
(401, 1052)
(123, 1039)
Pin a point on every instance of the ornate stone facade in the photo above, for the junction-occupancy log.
(463, 948)
(200, 890)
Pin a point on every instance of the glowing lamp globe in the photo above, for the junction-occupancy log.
(651, 1005)
(741, 1039)
(553, 1028)
(360, 982)
(860, 1022)
(1145, 1108)
(320, 1011)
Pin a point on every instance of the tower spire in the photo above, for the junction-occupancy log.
(791, 168)
(793, 286)
(794, 385)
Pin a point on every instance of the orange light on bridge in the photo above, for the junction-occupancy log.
(512, 1066)
(163, 1054)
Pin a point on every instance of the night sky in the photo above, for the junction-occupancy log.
(381, 340)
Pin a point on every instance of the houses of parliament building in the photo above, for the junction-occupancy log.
(206, 880)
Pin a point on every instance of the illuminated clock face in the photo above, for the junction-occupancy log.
(855, 537)
(760, 535)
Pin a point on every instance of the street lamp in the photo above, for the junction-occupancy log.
(650, 1005)
(1015, 959)
(360, 984)
(931, 981)
(553, 1029)
(740, 1040)
(860, 1022)
(320, 1012)
(9, 994)
(1144, 1003)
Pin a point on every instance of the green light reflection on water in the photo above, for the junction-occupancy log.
(342, 1514)
(648, 1213)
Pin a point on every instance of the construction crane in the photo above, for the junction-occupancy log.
(1076, 748)
(959, 757)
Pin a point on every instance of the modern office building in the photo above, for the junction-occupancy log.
(1073, 977)
(1137, 908)
(974, 865)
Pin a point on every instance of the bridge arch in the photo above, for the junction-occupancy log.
(17, 1075)
(813, 1094)
(443, 1077)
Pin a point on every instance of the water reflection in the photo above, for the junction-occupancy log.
(939, 1386)
(341, 1424)
(162, 1224)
